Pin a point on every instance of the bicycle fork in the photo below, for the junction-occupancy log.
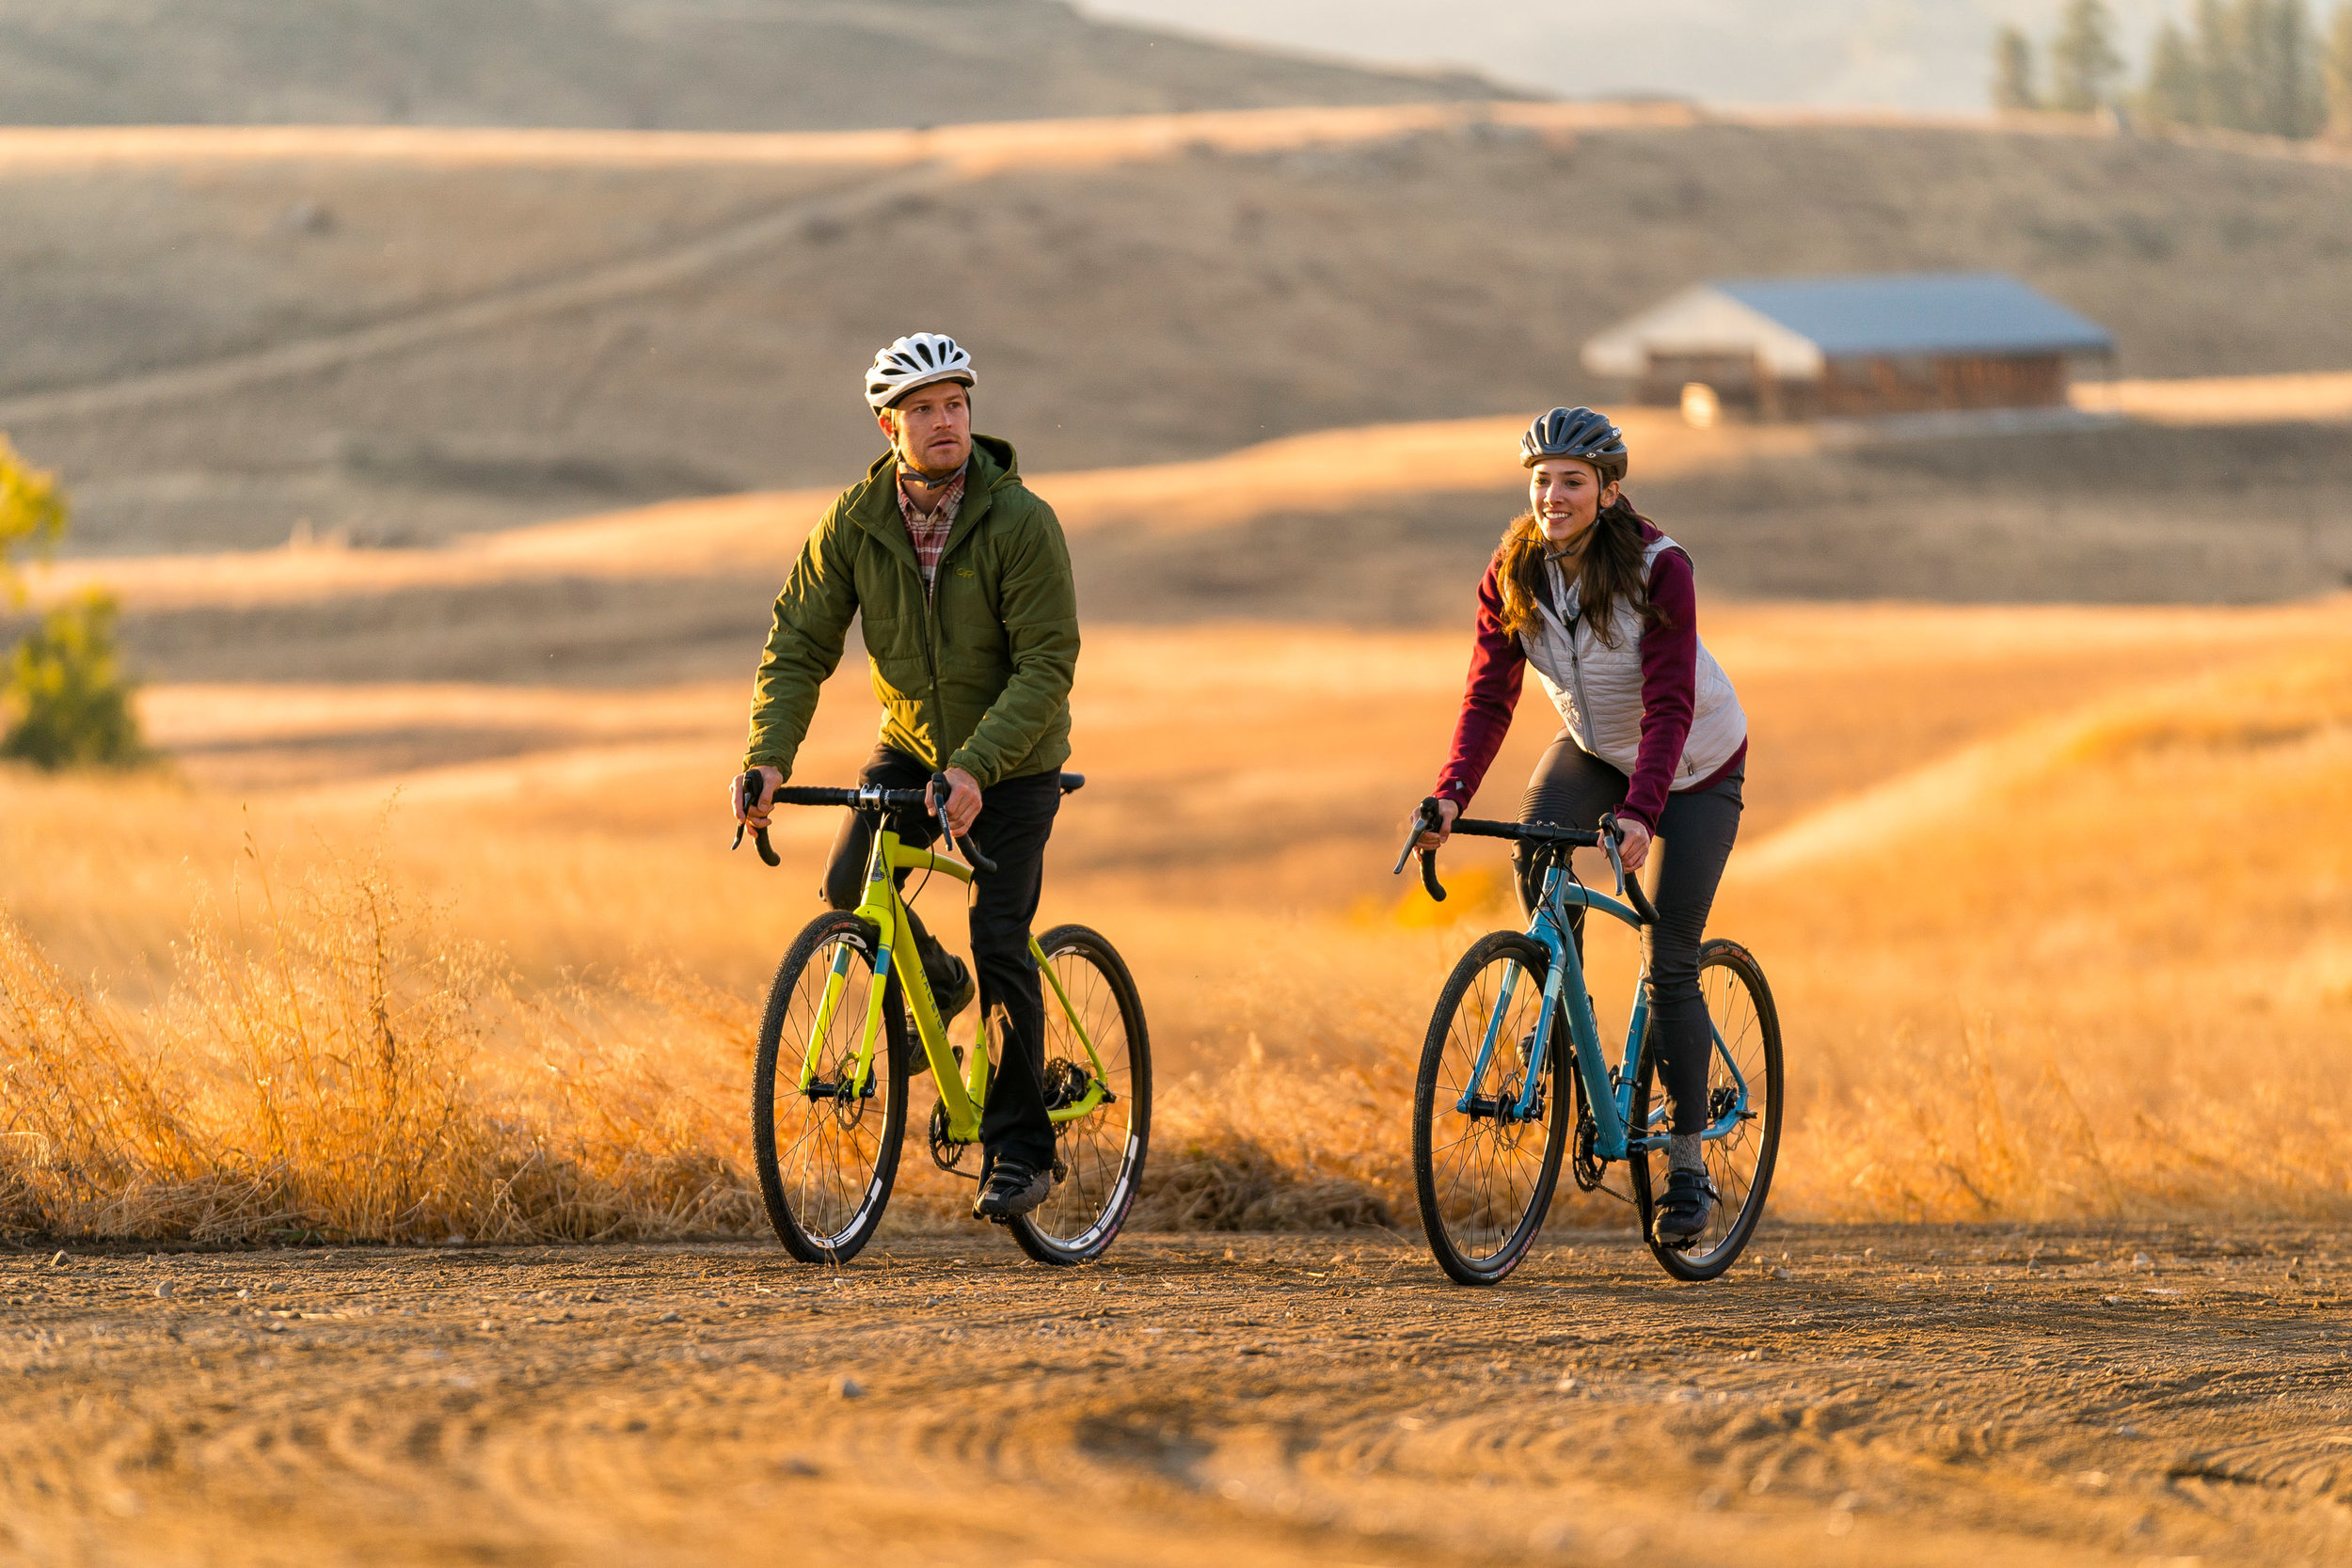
(1610, 1093)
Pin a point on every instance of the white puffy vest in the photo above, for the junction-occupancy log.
(1597, 688)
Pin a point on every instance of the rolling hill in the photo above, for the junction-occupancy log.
(696, 65)
(222, 352)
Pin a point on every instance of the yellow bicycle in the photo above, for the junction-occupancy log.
(829, 1097)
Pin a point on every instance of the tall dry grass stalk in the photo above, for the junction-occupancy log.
(2097, 966)
(332, 1068)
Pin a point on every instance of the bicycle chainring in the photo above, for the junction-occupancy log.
(1585, 1160)
(947, 1152)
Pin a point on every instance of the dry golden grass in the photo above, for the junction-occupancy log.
(2054, 902)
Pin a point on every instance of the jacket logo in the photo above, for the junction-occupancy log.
(963, 571)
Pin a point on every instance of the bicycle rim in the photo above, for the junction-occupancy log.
(1100, 1153)
(1485, 1182)
(1741, 1163)
(827, 1155)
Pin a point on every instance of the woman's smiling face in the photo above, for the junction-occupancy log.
(1567, 494)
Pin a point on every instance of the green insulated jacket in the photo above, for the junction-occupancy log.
(974, 675)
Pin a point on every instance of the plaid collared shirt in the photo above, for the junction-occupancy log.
(930, 536)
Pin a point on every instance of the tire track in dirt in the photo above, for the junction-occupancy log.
(1932, 1397)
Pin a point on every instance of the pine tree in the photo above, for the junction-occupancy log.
(2175, 93)
(2222, 65)
(2338, 69)
(2013, 71)
(2083, 60)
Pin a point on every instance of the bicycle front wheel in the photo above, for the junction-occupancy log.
(1747, 1027)
(1099, 1156)
(1484, 1171)
(828, 1151)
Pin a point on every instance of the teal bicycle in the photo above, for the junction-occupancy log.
(828, 1091)
(1514, 1056)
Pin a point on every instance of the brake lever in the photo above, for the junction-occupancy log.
(1425, 820)
(747, 788)
(1629, 887)
(964, 846)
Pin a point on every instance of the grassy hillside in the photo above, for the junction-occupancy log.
(2018, 980)
(1126, 313)
(696, 65)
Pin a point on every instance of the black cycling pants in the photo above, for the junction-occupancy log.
(1570, 789)
(1016, 819)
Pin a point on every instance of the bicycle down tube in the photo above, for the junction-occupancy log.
(1610, 1093)
(962, 1086)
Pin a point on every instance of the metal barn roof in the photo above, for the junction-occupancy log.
(1794, 323)
(1947, 312)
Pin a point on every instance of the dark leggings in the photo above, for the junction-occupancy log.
(1570, 789)
(1016, 819)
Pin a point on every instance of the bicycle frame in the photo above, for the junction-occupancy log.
(1608, 1090)
(962, 1086)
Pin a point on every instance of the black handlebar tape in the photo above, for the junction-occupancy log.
(1429, 875)
(747, 788)
(1639, 900)
(1533, 832)
(972, 853)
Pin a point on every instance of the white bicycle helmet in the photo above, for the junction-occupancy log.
(916, 361)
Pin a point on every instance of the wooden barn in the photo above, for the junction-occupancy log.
(1893, 344)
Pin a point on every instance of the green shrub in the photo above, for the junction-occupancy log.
(32, 511)
(67, 699)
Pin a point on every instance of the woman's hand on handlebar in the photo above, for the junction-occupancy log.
(963, 799)
(1633, 846)
(754, 814)
(1435, 838)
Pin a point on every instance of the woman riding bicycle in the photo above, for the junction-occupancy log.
(1589, 591)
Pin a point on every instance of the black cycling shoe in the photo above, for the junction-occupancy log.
(1012, 1189)
(1683, 1209)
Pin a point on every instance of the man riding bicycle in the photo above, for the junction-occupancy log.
(961, 582)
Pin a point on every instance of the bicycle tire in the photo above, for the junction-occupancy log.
(1103, 1152)
(1452, 1218)
(1740, 1001)
(828, 1182)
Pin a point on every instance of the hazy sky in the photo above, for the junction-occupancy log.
(1907, 53)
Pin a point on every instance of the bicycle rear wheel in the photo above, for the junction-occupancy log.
(1741, 1005)
(1100, 1153)
(1483, 1175)
(827, 1154)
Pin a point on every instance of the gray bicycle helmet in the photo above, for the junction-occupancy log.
(1576, 432)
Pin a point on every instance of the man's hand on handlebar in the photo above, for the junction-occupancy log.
(754, 814)
(1434, 838)
(963, 799)
(1633, 844)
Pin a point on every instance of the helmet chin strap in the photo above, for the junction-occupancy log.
(1575, 545)
(931, 479)
(927, 478)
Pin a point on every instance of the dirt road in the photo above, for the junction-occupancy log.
(1927, 1396)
